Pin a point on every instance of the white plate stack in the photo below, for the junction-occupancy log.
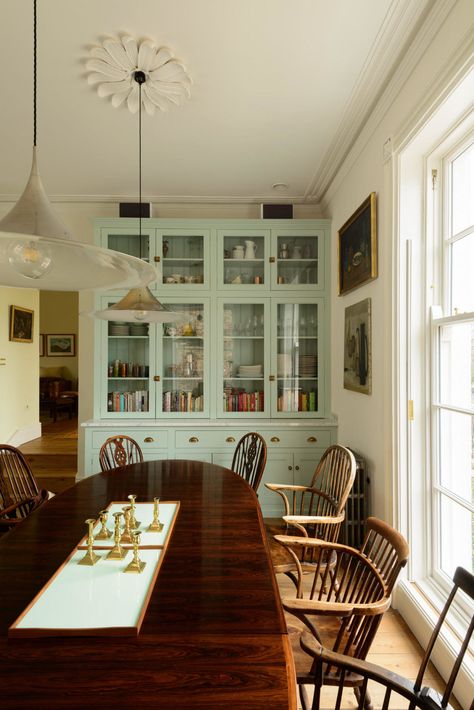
(284, 365)
(307, 365)
(119, 328)
(250, 371)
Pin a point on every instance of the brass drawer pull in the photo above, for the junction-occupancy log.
(275, 439)
(193, 440)
(290, 468)
(148, 439)
(297, 468)
(311, 439)
(230, 439)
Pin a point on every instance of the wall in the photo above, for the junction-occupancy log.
(59, 313)
(19, 390)
(367, 421)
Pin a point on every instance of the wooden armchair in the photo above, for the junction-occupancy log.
(392, 689)
(316, 510)
(19, 491)
(250, 457)
(119, 451)
(344, 598)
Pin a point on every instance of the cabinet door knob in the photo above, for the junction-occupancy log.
(230, 439)
(271, 260)
(157, 258)
(297, 468)
(311, 439)
(156, 378)
(290, 468)
(148, 439)
(193, 440)
(275, 439)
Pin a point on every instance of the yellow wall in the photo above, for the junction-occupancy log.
(59, 314)
(19, 383)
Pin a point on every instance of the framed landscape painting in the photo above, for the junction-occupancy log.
(357, 247)
(59, 345)
(21, 324)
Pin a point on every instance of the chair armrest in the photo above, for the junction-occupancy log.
(366, 669)
(332, 608)
(287, 487)
(308, 519)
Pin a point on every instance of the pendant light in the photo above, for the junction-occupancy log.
(37, 251)
(139, 304)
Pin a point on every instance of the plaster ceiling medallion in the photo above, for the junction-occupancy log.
(112, 68)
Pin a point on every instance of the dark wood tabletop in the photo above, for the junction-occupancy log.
(214, 634)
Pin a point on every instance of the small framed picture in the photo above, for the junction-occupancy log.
(357, 247)
(358, 347)
(60, 345)
(41, 345)
(21, 324)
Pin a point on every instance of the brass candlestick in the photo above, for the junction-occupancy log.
(104, 533)
(136, 565)
(155, 525)
(134, 523)
(127, 532)
(117, 552)
(90, 558)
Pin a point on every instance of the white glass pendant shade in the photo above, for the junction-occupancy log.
(139, 305)
(36, 250)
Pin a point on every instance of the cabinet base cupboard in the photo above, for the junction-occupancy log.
(249, 352)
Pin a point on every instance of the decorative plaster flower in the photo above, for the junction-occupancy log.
(113, 65)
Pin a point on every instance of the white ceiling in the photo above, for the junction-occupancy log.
(280, 90)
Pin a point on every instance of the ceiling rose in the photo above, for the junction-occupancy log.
(113, 64)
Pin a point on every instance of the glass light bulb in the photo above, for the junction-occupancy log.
(30, 259)
(140, 315)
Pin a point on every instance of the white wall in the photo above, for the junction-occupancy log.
(366, 421)
(19, 387)
(59, 313)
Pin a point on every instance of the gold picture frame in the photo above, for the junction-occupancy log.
(60, 345)
(21, 324)
(358, 347)
(357, 247)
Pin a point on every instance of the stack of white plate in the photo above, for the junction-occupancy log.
(116, 328)
(284, 365)
(308, 365)
(250, 371)
(138, 329)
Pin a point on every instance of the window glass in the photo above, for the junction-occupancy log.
(462, 272)
(456, 454)
(459, 521)
(456, 348)
(462, 177)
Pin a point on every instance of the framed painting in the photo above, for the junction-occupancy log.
(357, 247)
(60, 345)
(358, 347)
(21, 324)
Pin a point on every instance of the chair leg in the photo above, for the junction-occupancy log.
(368, 705)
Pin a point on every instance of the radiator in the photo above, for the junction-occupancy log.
(357, 507)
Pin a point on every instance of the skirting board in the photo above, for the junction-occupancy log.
(21, 436)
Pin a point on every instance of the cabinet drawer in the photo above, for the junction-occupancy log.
(287, 439)
(145, 438)
(192, 439)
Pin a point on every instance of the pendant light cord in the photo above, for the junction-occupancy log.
(34, 73)
(140, 158)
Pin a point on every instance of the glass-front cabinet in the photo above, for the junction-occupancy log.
(251, 340)
(243, 360)
(297, 357)
(156, 369)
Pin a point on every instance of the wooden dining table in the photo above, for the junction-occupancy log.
(214, 633)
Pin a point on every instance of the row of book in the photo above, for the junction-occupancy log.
(238, 400)
(179, 401)
(128, 401)
(293, 400)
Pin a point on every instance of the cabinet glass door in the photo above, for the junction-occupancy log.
(184, 356)
(184, 259)
(128, 377)
(298, 358)
(298, 261)
(242, 262)
(243, 357)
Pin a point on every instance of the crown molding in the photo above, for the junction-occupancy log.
(408, 30)
(175, 199)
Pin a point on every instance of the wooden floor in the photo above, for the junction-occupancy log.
(53, 458)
